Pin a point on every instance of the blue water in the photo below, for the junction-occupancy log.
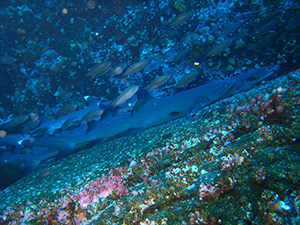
(48, 47)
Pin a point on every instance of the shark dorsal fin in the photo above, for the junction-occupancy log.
(92, 101)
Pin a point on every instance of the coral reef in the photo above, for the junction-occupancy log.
(239, 160)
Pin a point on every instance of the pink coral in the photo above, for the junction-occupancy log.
(207, 190)
(101, 188)
(62, 216)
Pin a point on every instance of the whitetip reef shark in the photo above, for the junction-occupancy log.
(153, 112)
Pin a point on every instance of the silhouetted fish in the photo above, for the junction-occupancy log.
(217, 49)
(264, 28)
(30, 125)
(263, 42)
(117, 70)
(65, 110)
(230, 28)
(180, 56)
(91, 115)
(17, 121)
(63, 96)
(40, 130)
(294, 22)
(267, 17)
(136, 67)
(68, 123)
(181, 18)
(99, 69)
(158, 81)
(186, 79)
(7, 60)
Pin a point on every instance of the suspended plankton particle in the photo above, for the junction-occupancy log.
(2, 133)
(65, 11)
(91, 4)
(34, 116)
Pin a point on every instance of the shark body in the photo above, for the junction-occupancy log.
(153, 112)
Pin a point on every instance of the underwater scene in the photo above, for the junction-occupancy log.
(150, 112)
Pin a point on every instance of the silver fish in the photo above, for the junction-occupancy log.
(91, 115)
(40, 130)
(180, 56)
(30, 125)
(17, 121)
(217, 49)
(124, 96)
(186, 79)
(65, 110)
(183, 17)
(99, 69)
(230, 28)
(136, 67)
(63, 96)
(7, 60)
(263, 42)
(117, 70)
(68, 123)
(158, 81)
(264, 28)
(294, 22)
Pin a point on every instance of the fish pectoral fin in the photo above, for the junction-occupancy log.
(202, 101)
(91, 126)
(107, 111)
(194, 110)
(115, 111)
